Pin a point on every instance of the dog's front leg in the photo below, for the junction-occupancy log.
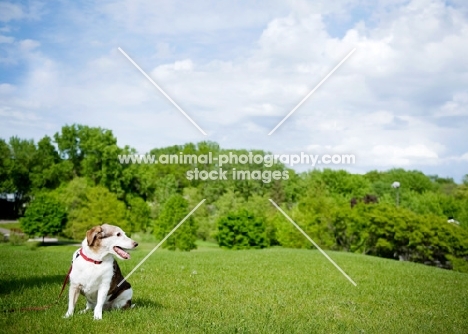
(101, 299)
(73, 294)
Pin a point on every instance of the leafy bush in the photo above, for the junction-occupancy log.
(241, 230)
(458, 264)
(45, 215)
(173, 211)
(344, 183)
(88, 206)
(399, 233)
(376, 229)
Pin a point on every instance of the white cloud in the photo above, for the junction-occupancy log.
(13, 12)
(458, 106)
(388, 155)
(6, 112)
(6, 39)
(176, 17)
(10, 12)
(181, 65)
(7, 89)
(28, 45)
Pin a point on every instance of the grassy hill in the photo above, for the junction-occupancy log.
(255, 291)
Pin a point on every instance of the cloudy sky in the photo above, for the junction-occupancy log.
(237, 68)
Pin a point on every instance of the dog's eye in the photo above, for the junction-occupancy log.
(118, 234)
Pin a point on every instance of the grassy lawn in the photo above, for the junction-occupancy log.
(257, 291)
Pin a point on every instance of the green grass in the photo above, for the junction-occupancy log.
(256, 291)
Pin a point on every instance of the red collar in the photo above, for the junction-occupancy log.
(87, 258)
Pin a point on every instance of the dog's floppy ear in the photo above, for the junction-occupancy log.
(92, 234)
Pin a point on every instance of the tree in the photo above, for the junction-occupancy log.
(49, 171)
(23, 154)
(203, 218)
(92, 153)
(345, 184)
(241, 230)
(45, 215)
(173, 211)
(6, 184)
(229, 202)
(314, 214)
(68, 145)
(138, 214)
(166, 186)
(88, 206)
(294, 187)
(410, 180)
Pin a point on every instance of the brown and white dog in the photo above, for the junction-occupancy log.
(96, 274)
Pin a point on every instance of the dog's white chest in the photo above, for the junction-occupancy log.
(90, 276)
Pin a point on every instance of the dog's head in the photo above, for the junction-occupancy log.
(105, 239)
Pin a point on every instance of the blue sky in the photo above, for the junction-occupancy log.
(238, 68)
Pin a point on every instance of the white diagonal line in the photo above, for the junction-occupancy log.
(162, 241)
(312, 91)
(160, 89)
(312, 241)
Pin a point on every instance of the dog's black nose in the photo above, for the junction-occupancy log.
(135, 244)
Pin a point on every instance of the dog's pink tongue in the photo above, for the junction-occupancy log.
(122, 253)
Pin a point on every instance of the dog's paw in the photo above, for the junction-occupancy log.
(133, 305)
(67, 315)
(84, 311)
(97, 316)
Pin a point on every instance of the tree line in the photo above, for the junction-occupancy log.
(73, 181)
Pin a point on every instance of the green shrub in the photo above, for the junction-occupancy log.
(241, 230)
(375, 229)
(173, 211)
(386, 231)
(45, 215)
(458, 264)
